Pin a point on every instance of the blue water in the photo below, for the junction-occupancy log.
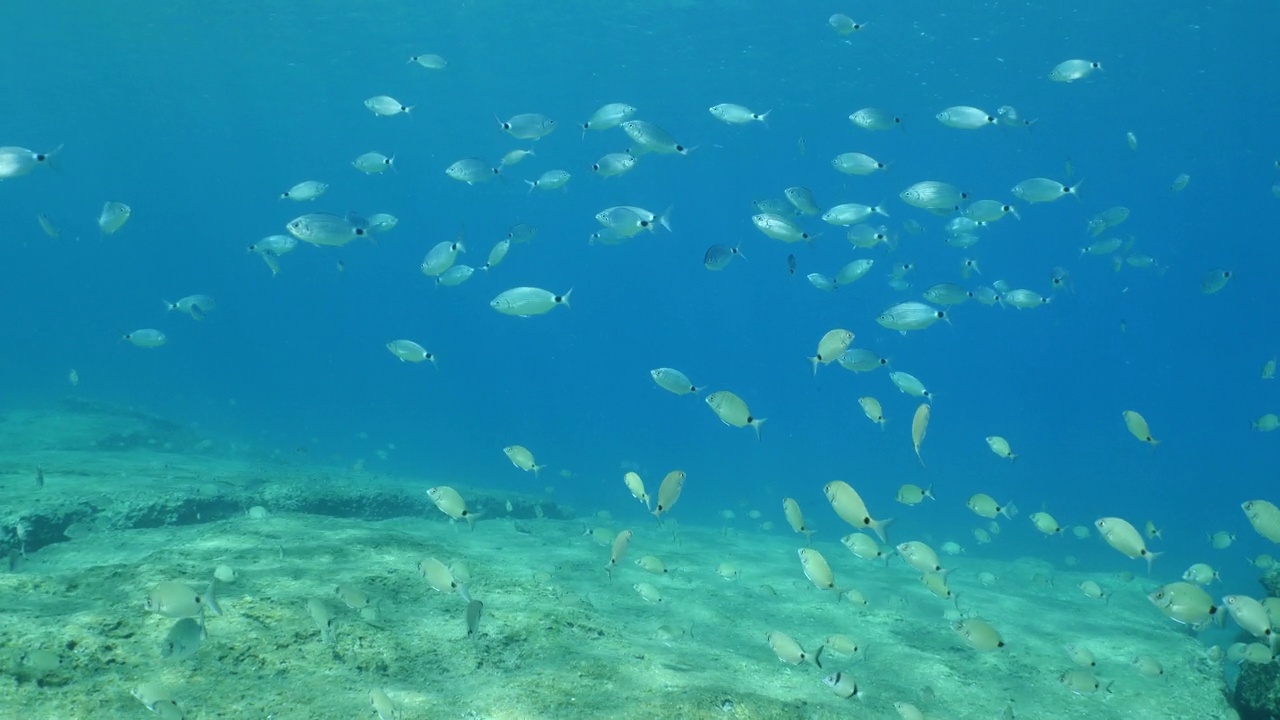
(199, 117)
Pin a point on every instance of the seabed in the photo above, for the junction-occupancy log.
(130, 500)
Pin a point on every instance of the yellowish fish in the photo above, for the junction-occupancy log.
(636, 486)
(871, 408)
(831, 346)
(1138, 427)
(850, 507)
(669, 492)
(910, 494)
(919, 425)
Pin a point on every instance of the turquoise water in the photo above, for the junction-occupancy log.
(199, 116)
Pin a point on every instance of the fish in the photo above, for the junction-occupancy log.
(732, 410)
(373, 162)
(146, 338)
(919, 425)
(872, 409)
(718, 256)
(673, 381)
(527, 126)
(1137, 426)
(304, 191)
(618, 550)
(449, 502)
(382, 704)
(817, 569)
(520, 457)
(410, 351)
(795, 518)
(325, 229)
(113, 217)
(636, 486)
(832, 345)
(474, 610)
(669, 492)
(609, 116)
(1125, 538)
(183, 639)
(323, 619)
(18, 161)
(851, 508)
(732, 114)
(1000, 447)
(910, 494)
(529, 301)
(789, 651)
(1072, 70)
(429, 61)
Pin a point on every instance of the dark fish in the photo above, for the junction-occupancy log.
(184, 638)
(718, 256)
(791, 264)
(522, 233)
(474, 608)
(357, 221)
(39, 477)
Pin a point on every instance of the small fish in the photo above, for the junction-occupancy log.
(910, 494)
(732, 114)
(843, 685)
(618, 550)
(978, 634)
(430, 62)
(371, 163)
(305, 190)
(146, 338)
(609, 116)
(410, 351)
(528, 301)
(474, 610)
(472, 171)
(1214, 281)
(832, 345)
(732, 410)
(49, 227)
(39, 477)
(1125, 538)
(791, 270)
(1073, 70)
(183, 640)
(919, 426)
(1180, 183)
(520, 456)
(323, 619)
(872, 409)
(719, 255)
(113, 217)
(450, 502)
(382, 704)
(669, 492)
(795, 518)
(1137, 426)
(527, 126)
(549, 180)
(1000, 447)
(789, 651)
(673, 381)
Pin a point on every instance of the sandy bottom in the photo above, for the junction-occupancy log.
(559, 637)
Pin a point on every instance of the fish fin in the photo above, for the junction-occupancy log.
(817, 656)
(879, 527)
(756, 423)
(210, 601)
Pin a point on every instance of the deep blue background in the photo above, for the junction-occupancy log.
(198, 116)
